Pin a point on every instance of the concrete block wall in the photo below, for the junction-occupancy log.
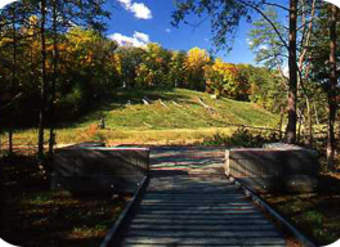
(273, 169)
(99, 170)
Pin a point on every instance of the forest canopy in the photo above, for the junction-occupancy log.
(92, 67)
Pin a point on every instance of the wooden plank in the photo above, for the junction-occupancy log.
(202, 227)
(193, 234)
(112, 234)
(202, 221)
(202, 217)
(178, 241)
(187, 207)
(176, 196)
(184, 204)
(303, 239)
(181, 210)
(202, 245)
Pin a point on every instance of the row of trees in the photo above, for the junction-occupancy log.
(30, 34)
(306, 42)
(154, 66)
(82, 67)
(56, 62)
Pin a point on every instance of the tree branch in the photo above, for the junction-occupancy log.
(276, 5)
(306, 41)
(12, 101)
(257, 9)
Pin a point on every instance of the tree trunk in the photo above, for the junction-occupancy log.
(310, 123)
(14, 75)
(10, 141)
(303, 69)
(332, 89)
(54, 80)
(43, 86)
(291, 127)
(281, 122)
(316, 114)
(300, 122)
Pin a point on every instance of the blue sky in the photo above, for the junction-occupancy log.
(142, 21)
(131, 21)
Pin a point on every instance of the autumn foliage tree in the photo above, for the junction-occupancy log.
(154, 68)
(65, 65)
(221, 79)
(194, 65)
(225, 17)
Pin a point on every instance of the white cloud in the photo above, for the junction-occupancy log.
(126, 3)
(249, 42)
(138, 39)
(263, 47)
(168, 30)
(3, 3)
(142, 36)
(140, 10)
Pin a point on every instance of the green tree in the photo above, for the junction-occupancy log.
(225, 18)
(154, 69)
(270, 50)
(333, 81)
(324, 63)
(223, 79)
(130, 58)
(176, 69)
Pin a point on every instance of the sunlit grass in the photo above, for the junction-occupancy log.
(182, 121)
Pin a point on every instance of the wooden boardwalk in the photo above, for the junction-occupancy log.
(180, 208)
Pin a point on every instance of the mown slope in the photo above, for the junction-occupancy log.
(172, 117)
(175, 109)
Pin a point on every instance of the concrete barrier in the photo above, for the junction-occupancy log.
(88, 169)
(273, 169)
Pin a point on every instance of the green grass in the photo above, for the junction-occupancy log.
(155, 123)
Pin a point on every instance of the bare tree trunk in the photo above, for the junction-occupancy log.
(316, 114)
(300, 121)
(309, 112)
(305, 43)
(43, 86)
(10, 140)
(310, 123)
(281, 122)
(332, 90)
(292, 91)
(14, 75)
(54, 80)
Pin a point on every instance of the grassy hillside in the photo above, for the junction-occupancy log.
(174, 116)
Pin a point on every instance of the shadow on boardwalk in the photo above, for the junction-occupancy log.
(182, 209)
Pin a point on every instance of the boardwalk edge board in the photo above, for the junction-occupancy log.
(114, 232)
(248, 192)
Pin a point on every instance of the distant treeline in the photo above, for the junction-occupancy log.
(92, 67)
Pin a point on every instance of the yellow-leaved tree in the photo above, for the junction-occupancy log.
(222, 79)
(194, 65)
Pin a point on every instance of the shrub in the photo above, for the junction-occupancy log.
(243, 137)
